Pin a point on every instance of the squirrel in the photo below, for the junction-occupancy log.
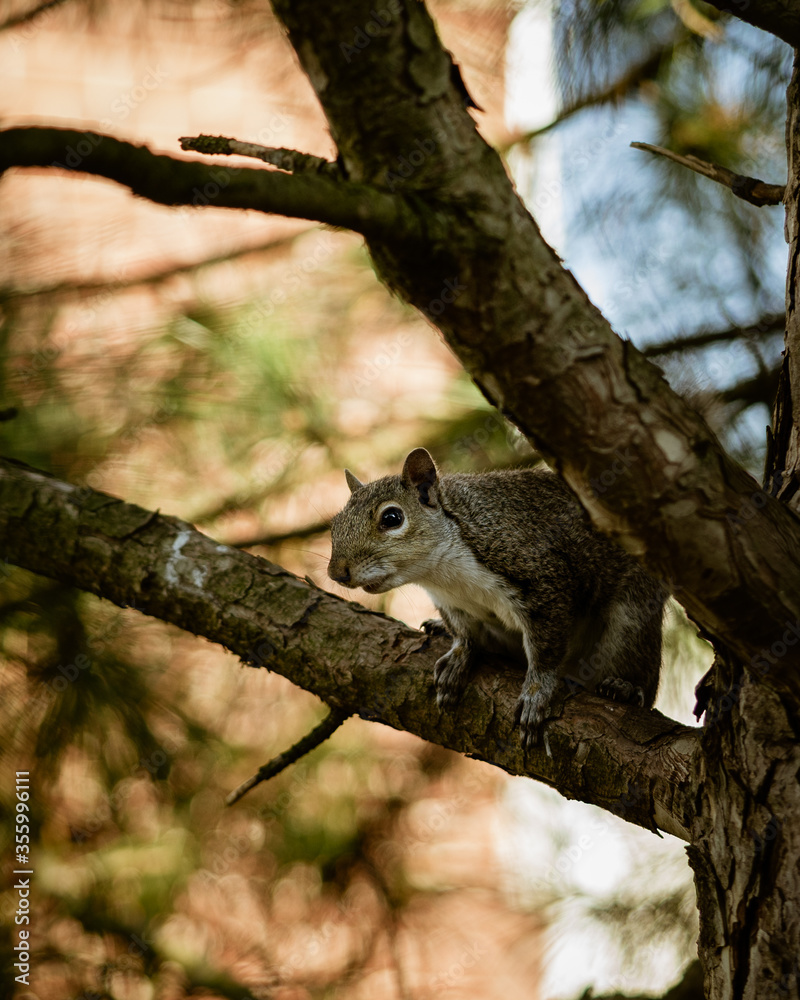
(513, 566)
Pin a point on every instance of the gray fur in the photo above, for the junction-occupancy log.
(511, 562)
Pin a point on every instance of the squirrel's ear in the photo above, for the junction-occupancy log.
(420, 472)
(352, 482)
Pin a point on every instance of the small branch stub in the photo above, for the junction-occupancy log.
(750, 189)
(309, 742)
(290, 160)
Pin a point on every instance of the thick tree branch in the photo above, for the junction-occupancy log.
(778, 17)
(647, 467)
(463, 249)
(783, 451)
(747, 188)
(169, 181)
(632, 762)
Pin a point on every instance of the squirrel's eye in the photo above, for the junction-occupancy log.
(392, 517)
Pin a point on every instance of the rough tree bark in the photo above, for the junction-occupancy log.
(745, 847)
(632, 762)
(447, 231)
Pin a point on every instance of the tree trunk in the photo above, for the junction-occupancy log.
(448, 233)
(745, 848)
(745, 840)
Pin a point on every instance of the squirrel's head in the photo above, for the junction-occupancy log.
(388, 529)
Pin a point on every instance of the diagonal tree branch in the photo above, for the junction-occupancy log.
(169, 181)
(309, 742)
(624, 86)
(10, 293)
(646, 466)
(25, 17)
(747, 188)
(778, 17)
(461, 247)
(631, 762)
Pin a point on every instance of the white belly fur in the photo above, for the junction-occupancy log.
(464, 583)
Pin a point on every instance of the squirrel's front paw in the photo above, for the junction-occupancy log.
(532, 709)
(620, 690)
(450, 675)
(530, 713)
(434, 626)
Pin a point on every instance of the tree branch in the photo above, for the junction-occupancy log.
(290, 160)
(462, 248)
(629, 82)
(648, 468)
(15, 292)
(747, 188)
(16, 20)
(309, 742)
(778, 17)
(169, 181)
(761, 388)
(629, 761)
(279, 537)
(771, 323)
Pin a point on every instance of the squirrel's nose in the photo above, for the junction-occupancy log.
(339, 572)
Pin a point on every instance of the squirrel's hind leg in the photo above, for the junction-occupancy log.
(545, 647)
(628, 652)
